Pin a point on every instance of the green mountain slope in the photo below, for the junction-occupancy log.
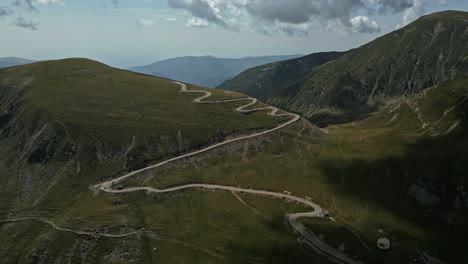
(69, 124)
(400, 174)
(430, 50)
(205, 71)
(266, 80)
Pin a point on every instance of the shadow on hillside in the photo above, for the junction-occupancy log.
(427, 185)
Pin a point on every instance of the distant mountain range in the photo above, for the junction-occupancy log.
(14, 61)
(431, 50)
(205, 71)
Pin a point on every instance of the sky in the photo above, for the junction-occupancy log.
(125, 33)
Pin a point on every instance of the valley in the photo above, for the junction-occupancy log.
(206, 71)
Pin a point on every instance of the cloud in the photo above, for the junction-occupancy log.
(206, 10)
(282, 11)
(19, 6)
(51, 2)
(393, 6)
(197, 22)
(46, 2)
(145, 22)
(415, 11)
(295, 17)
(115, 2)
(5, 11)
(170, 19)
(293, 29)
(362, 24)
(25, 4)
(26, 24)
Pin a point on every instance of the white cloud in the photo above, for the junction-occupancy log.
(48, 2)
(142, 22)
(203, 11)
(362, 24)
(197, 22)
(442, 2)
(414, 11)
(171, 19)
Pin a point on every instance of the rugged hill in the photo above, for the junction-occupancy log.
(66, 125)
(13, 61)
(428, 51)
(400, 173)
(266, 80)
(205, 71)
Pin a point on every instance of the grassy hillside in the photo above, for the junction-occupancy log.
(426, 52)
(266, 80)
(205, 71)
(90, 115)
(400, 173)
(68, 124)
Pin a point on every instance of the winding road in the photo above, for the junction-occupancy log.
(310, 238)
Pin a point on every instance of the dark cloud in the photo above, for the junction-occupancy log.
(200, 9)
(16, 7)
(394, 6)
(283, 11)
(301, 11)
(26, 5)
(5, 11)
(286, 15)
(26, 24)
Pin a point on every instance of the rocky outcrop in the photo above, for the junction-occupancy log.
(383, 243)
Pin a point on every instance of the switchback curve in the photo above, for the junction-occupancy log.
(312, 240)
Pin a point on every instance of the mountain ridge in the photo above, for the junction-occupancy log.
(428, 51)
(206, 71)
(265, 79)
